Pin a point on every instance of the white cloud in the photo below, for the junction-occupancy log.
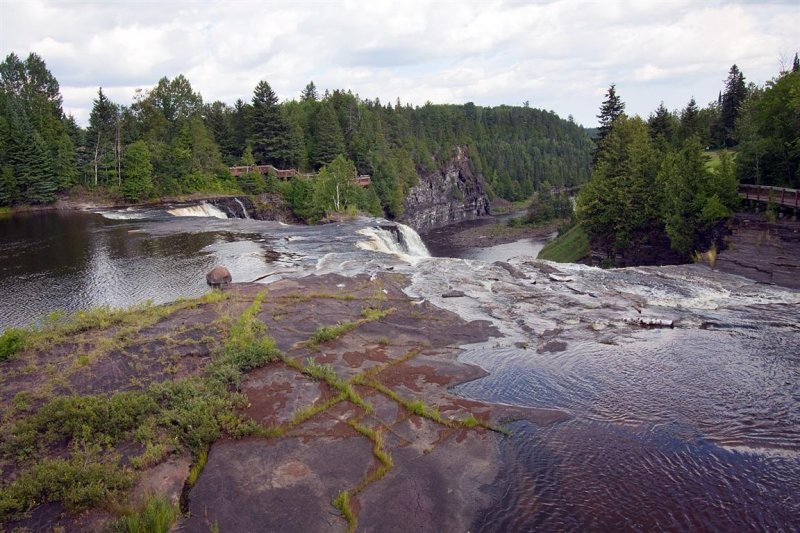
(560, 55)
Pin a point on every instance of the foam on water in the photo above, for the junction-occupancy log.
(202, 210)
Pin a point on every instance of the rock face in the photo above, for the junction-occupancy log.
(218, 277)
(447, 196)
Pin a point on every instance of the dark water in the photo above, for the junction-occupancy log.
(440, 244)
(67, 260)
(681, 430)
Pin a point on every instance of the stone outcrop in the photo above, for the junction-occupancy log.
(451, 194)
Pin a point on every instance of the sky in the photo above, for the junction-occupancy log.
(557, 55)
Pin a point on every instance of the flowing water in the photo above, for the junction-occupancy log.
(689, 427)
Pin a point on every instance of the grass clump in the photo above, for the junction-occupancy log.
(342, 503)
(197, 467)
(709, 256)
(157, 515)
(570, 247)
(320, 372)
(328, 333)
(371, 314)
(12, 341)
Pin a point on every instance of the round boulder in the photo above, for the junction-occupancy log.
(218, 277)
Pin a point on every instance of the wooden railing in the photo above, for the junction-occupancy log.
(776, 195)
(363, 179)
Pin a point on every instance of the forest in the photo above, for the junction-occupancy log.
(674, 176)
(169, 142)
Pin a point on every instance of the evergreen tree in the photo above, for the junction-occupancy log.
(690, 126)
(270, 129)
(796, 63)
(618, 203)
(328, 137)
(661, 124)
(309, 93)
(101, 138)
(733, 97)
(611, 109)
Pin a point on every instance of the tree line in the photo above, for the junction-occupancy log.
(675, 176)
(168, 141)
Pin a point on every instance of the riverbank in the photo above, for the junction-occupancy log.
(310, 391)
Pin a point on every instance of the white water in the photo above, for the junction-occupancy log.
(243, 209)
(409, 247)
(203, 210)
(128, 214)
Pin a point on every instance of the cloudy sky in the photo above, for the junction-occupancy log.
(558, 55)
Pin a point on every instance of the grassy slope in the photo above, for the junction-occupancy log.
(567, 248)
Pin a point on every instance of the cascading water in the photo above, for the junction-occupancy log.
(203, 210)
(244, 210)
(396, 239)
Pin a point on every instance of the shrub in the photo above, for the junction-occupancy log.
(11, 342)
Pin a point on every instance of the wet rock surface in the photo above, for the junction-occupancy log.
(769, 253)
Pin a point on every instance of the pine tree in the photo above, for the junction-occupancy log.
(796, 63)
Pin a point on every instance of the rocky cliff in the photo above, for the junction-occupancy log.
(451, 194)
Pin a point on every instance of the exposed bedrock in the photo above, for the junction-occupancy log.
(446, 196)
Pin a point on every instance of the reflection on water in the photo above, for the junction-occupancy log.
(73, 260)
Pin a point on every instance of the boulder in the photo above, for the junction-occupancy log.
(218, 277)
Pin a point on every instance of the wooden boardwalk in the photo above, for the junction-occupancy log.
(286, 174)
(776, 195)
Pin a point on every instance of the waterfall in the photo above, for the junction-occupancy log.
(396, 239)
(203, 210)
(413, 242)
(244, 211)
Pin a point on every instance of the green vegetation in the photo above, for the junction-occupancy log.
(658, 179)
(327, 333)
(342, 503)
(568, 247)
(11, 341)
(157, 515)
(82, 481)
(188, 414)
(169, 142)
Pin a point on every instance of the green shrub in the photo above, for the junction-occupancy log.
(11, 341)
(79, 483)
(86, 418)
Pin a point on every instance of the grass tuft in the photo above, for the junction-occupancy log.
(157, 515)
(342, 503)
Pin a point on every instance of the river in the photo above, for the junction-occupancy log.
(690, 427)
